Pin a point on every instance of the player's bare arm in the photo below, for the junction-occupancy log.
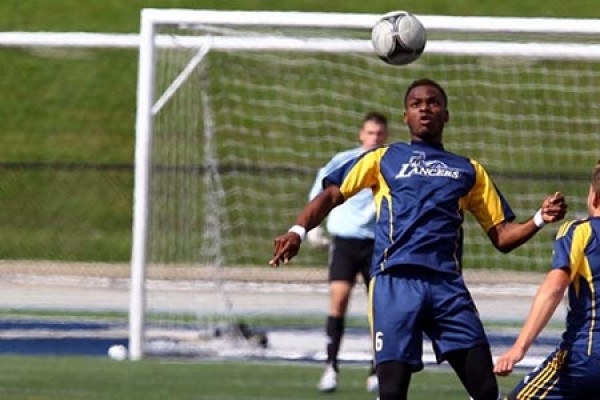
(510, 235)
(286, 246)
(547, 298)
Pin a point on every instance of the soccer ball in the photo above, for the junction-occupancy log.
(117, 352)
(398, 38)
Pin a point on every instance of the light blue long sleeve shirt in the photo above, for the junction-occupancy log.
(355, 218)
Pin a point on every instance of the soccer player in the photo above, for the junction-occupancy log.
(572, 371)
(352, 226)
(421, 193)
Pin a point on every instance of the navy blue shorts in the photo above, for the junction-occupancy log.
(407, 302)
(564, 375)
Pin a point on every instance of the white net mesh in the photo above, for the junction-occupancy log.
(238, 144)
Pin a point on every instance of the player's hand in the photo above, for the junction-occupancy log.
(285, 247)
(505, 363)
(554, 208)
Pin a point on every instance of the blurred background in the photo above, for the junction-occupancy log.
(66, 166)
(68, 118)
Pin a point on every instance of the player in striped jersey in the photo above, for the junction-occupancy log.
(421, 192)
(572, 371)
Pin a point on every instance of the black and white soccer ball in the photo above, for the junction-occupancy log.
(398, 38)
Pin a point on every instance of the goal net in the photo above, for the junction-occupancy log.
(238, 110)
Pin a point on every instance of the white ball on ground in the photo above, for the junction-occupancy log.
(117, 352)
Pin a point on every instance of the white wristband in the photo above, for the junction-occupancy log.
(538, 220)
(299, 230)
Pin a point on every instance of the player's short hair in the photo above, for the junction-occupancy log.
(425, 82)
(596, 178)
(376, 117)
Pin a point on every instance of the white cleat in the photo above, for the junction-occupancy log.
(372, 384)
(328, 382)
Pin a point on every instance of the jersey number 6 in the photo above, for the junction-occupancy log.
(378, 341)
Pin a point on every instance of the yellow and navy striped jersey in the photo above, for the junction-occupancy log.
(421, 192)
(577, 247)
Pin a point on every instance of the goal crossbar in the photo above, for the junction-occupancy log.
(366, 21)
(550, 50)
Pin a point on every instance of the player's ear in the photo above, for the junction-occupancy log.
(405, 118)
(595, 200)
(446, 116)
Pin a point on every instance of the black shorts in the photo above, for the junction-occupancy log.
(349, 257)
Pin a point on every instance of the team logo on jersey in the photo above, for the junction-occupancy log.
(418, 165)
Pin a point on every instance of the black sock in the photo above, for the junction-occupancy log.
(394, 378)
(474, 368)
(335, 331)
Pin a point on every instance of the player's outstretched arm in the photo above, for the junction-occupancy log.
(287, 245)
(510, 235)
(547, 298)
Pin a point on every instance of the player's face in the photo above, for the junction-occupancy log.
(372, 135)
(425, 113)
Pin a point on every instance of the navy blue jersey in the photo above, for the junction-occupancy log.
(577, 247)
(421, 192)
(573, 370)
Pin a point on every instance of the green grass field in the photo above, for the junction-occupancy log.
(78, 378)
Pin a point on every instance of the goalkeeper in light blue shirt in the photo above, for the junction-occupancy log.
(351, 227)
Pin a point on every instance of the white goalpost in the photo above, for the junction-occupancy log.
(236, 111)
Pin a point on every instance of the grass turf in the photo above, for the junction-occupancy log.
(73, 378)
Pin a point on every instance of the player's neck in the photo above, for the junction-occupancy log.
(367, 148)
(432, 139)
(432, 143)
